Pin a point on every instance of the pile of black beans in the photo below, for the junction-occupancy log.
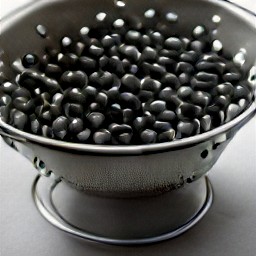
(127, 81)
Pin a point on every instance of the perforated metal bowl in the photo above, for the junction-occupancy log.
(127, 171)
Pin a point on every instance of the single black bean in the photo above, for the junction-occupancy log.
(145, 96)
(128, 115)
(5, 100)
(128, 100)
(29, 60)
(117, 129)
(197, 46)
(90, 92)
(95, 107)
(241, 92)
(96, 119)
(222, 101)
(76, 126)
(170, 80)
(206, 123)
(73, 79)
(60, 127)
(20, 120)
(133, 37)
(125, 138)
(188, 111)
(130, 83)
(73, 110)
(157, 38)
(75, 95)
(148, 136)
(173, 43)
(150, 84)
(53, 70)
(107, 41)
(243, 103)
(102, 136)
(199, 31)
(42, 31)
(201, 98)
(184, 92)
(166, 93)
(102, 99)
(96, 51)
(47, 131)
(46, 117)
(167, 136)
(188, 128)
(166, 116)
(157, 71)
(4, 113)
(225, 89)
(66, 42)
(232, 77)
(168, 63)
(23, 104)
(160, 126)
(172, 54)
(130, 52)
(143, 122)
(207, 77)
(118, 66)
(84, 135)
(36, 127)
(149, 54)
(87, 64)
(157, 106)
(184, 67)
(8, 87)
(233, 110)
(201, 85)
(68, 61)
(190, 57)
(21, 92)
(184, 79)
(218, 67)
(79, 49)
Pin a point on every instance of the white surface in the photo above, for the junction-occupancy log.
(229, 229)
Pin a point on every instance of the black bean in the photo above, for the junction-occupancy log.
(173, 43)
(130, 83)
(184, 79)
(96, 119)
(130, 52)
(184, 67)
(166, 93)
(222, 101)
(149, 54)
(170, 80)
(150, 85)
(75, 95)
(201, 98)
(241, 92)
(157, 71)
(23, 104)
(225, 89)
(5, 100)
(21, 92)
(207, 77)
(47, 131)
(188, 111)
(49, 85)
(168, 63)
(107, 41)
(125, 138)
(84, 135)
(95, 107)
(128, 115)
(157, 106)
(184, 92)
(197, 46)
(117, 129)
(90, 92)
(166, 116)
(20, 120)
(46, 117)
(73, 79)
(143, 122)
(160, 126)
(117, 66)
(128, 100)
(190, 57)
(8, 87)
(201, 85)
(206, 123)
(145, 96)
(4, 113)
(73, 110)
(199, 31)
(41, 30)
(171, 17)
(68, 61)
(102, 99)
(29, 60)
(148, 136)
(188, 128)
(218, 67)
(87, 64)
(172, 54)
(53, 70)
(233, 110)
(102, 136)
(243, 103)
(66, 42)
(96, 51)
(60, 127)
(36, 126)
(232, 77)
(157, 38)
(76, 126)
(167, 136)
(112, 94)
(133, 37)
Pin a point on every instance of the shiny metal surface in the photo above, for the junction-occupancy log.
(174, 213)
